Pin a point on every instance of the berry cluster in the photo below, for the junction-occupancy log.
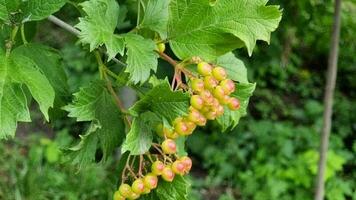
(149, 182)
(210, 91)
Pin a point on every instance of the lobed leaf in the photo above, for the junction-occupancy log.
(205, 29)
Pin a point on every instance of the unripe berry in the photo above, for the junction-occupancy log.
(170, 133)
(151, 181)
(169, 146)
(219, 92)
(197, 102)
(191, 127)
(134, 196)
(194, 115)
(202, 121)
(125, 190)
(234, 104)
(216, 103)
(211, 115)
(168, 174)
(220, 110)
(161, 47)
(219, 73)
(147, 191)
(225, 100)
(178, 167)
(210, 82)
(138, 186)
(187, 163)
(207, 97)
(228, 86)
(181, 128)
(159, 130)
(157, 168)
(204, 68)
(118, 196)
(197, 85)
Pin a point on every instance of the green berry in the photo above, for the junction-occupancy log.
(225, 100)
(197, 85)
(169, 146)
(138, 186)
(187, 163)
(204, 69)
(219, 92)
(125, 190)
(157, 168)
(151, 181)
(181, 127)
(178, 167)
(208, 98)
(197, 102)
(118, 196)
(210, 82)
(234, 104)
(168, 174)
(161, 47)
(219, 73)
(228, 86)
(202, 121)
(134, 196)
(147, 191)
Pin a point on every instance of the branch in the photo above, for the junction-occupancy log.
(76, 32)
(328, 100)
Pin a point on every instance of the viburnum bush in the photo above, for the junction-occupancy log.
(130, 40)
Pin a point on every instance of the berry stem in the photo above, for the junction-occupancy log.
(140, 166)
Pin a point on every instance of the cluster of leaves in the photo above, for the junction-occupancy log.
(197, 28)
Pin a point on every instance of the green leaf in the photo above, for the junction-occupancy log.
(176, 190)
(198, 28)
(230, 119)
(97, 28)
(162, 101)
(234, 67)
(17, 71)
(141, 58)
(4, 15)
(94, 104)
(155, 16)
(139, 139)
(35, 10)
(50, 63)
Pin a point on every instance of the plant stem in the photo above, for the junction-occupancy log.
(23, 35)
(11, 42)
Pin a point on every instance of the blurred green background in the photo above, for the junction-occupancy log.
(271, 155)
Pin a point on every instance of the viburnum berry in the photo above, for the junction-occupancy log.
(208, 98)
(187, 163)
(147, 191)
(151, 180)
(210, 82)
(194, 115)
(197, 85)
(191, 127)
(211, 115)
(157, 168)
(134, 196)
(125, 190)
(169, 146)
(118, 196)
(204, 68)
(228, 86)
(219, 92)
(161, 47)
(181, 127)
(225, 100)
(202, 121)
(168, 174)
(219, 73)
(138, 186)
(178, 167)
(220, 110)
(159, 130)
(197, 102)
(234, 104)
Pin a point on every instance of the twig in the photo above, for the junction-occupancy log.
(75, 31)
(328, 100)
